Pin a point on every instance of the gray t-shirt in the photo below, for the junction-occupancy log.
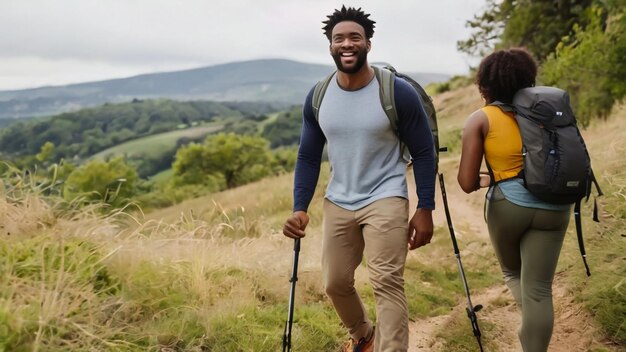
(363, 151)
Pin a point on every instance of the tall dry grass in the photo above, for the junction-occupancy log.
(211, 274)
(93, 278)
(604, 293)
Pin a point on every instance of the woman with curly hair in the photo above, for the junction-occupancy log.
(526, 233)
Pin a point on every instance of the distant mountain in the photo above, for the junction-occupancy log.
(269, 80)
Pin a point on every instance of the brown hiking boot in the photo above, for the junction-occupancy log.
(363, 345)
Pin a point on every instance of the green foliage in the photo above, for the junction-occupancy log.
(285, 130)
(88, 131)
(590, 64)
(486, 29)
(46, 152)
(580, 43)
(168, 189)
(235, 159)
(285, 158)
(538, 25)
(189, 170)
(535, 24)
(249, 127)
(111, 182)
(146, 133)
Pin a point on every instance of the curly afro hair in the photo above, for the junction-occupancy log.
(349, 14)
(502, 73)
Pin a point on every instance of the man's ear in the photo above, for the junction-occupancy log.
(369, 46)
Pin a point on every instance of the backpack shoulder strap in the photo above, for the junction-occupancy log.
(579, 235)
(504, 106)
(318, 94)
(386, 81)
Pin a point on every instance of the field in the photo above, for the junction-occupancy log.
(154, 145)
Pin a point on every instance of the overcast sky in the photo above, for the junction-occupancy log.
(55, 42)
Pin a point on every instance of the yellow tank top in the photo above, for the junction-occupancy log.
(503, 144)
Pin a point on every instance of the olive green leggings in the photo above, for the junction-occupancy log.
(527, 242)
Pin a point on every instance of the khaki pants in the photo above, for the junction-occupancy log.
(381, 229)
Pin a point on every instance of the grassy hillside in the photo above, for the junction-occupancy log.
(211, 274)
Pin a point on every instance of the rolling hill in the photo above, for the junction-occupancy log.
(268, 80)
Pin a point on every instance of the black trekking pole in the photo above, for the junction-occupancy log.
(292, 293)
(471, 309)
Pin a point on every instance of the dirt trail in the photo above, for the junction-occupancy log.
(574, 328)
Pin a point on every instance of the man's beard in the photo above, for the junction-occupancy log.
(360, 61)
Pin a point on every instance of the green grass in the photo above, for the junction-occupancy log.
(315, 328)
(154, 145)
(604, 292)
(458, 335)
(450, 137)
(64, 294)
(162, 176)
(52, 288)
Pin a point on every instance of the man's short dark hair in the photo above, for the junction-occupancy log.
(349, 14)
(502, 73)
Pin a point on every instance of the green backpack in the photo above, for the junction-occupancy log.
(385, 77)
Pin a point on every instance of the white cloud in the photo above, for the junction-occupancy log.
(65, 41)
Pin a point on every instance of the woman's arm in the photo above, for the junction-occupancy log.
(472, 151)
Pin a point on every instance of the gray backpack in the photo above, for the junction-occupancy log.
(557, 167)
(385, 77)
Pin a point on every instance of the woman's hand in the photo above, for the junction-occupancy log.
(485, 179)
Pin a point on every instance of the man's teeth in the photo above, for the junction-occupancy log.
(347, 54)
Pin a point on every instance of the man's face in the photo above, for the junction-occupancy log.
(349, 47)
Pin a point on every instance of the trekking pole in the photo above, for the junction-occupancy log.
(471, 309)
(292, 292)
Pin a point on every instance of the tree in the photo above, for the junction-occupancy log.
(285, 159)
(590, 63)
(537, 25)
(486, 29)
(580, 45)
(285, 130)
(189, 166)
(112, 182)
(238, 159)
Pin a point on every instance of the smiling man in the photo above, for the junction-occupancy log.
(366, 202)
